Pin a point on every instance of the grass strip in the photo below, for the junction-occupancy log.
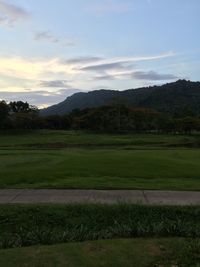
(26, 225)
(138, 252)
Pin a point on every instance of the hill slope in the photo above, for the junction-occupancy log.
(172, 97)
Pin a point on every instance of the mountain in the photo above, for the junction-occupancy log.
(173, 97)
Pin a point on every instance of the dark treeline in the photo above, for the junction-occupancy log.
(110, 118)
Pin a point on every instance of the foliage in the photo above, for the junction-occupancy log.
(43, 224)
(104, 119)
(4, 111)
(21, 107)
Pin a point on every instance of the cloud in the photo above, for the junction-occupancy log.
(11, 14)
(152, 76)
(110, 6)
(104, 77)
(40, 98)
(68, 42)
(105, 67)
(123, 63)
(41, 69)
(37, 69)
(83, 60)
(138, 75)
(45, 36)
(54, 84)
(53, 74)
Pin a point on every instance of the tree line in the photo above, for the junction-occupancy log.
(109, 118)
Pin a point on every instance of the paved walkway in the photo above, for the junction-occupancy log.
(99, 196)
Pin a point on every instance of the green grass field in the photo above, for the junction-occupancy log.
(65, 139)
(60, 159)
(105, 253)
(50, 159)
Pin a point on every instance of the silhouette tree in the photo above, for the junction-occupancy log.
(4, 112)
(22, 107)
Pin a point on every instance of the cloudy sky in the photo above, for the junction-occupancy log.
(50, 49)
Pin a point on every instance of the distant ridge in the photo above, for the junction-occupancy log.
(170, 98)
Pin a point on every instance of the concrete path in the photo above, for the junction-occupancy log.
(99, 196)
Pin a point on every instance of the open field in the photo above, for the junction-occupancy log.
(46, 139)
(50, 159)
(141, 252)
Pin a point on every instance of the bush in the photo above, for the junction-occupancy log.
(22, 225)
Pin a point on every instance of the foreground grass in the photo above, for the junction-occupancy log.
(127, 252)
(61, 159)
(101, 168)
(26, 225)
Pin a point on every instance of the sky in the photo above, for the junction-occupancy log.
(50, 49)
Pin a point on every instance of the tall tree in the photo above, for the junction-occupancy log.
(22, 107)
(4, 112)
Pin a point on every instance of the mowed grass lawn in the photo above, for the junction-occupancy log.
(105, 253)
(76, 160)
(64, 139)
